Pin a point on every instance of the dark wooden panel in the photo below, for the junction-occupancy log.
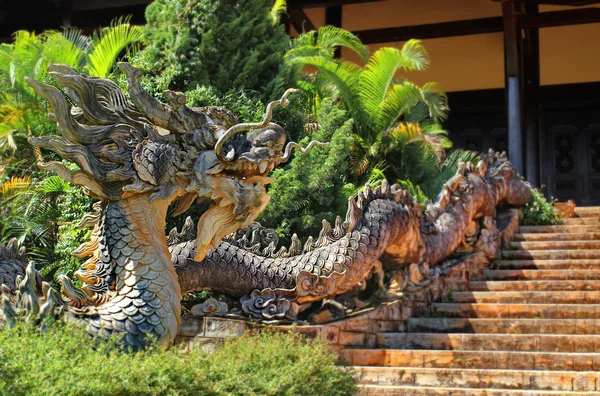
(300, 21)
(433, 30)
(561, 18)
(573, 153)
(572, 3)
(323, 3)
(333, 17)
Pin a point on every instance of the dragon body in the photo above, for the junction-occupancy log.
(384, 224)
(138, 158)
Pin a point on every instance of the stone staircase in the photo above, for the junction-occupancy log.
(529, 326)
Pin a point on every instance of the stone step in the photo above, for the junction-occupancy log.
(381, 390)
(589, 254)
(581, 221)
(491, 342)
(519, 274)
(528, 297)
(547, 264)
(553, 236)
(503, 326)
(536, 285)
(568, 381)
(501, 360)
(558, 229)
(587, 211)
(524, 311)
(556, 245)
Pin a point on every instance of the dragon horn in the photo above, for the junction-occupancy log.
(249, 126)
(293, 145)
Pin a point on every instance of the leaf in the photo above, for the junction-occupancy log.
(54, 184)
(415, 56)
(377, 76)
(14, 185)
(59, 49)
(109, 43)
(330, 37)
(278, 9)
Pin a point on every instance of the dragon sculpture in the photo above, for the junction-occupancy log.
(138, 157)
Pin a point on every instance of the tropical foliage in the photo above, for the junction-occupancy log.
(313, 187)
(396, 123)
(39, 209)
(21, 112)
(228, 45)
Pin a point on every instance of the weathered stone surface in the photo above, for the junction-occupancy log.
(559, 229)
(223, 328)
(536, 285)
(547, 264)
(512, 326)
(548, 275)
(474, 378)
(581, 236)
(191, 327)
(447, 391)
(581, 220)
(556, 245)
(523, 297)
(588, 254)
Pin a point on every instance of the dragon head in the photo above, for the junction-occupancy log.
(168, 151)
(233, 175)
(511, 189)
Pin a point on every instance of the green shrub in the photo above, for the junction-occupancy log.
(539, 211)
(313, 186)
(229, 45)
(66, 361)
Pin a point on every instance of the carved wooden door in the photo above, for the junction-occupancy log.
(573, 154)
(478, 132)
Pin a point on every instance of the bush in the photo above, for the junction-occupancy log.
(66, 361)
(229, 45)
(539, 211)
(313, 186)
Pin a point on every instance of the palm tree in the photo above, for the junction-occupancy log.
(322, 43)
(394, 121)
(21, 111)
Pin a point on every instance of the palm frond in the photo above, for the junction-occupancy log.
(109, 43)
(278, 9)
(378, 75)
(436, 100)
(59, 49)
(433, 185)
(305, 39)
(304, 51)
(14, 185)
(342, 74)
(398, 103)
(54, 184)
(415, 56)
(331, 37)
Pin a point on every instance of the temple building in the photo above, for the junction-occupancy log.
(521, 75)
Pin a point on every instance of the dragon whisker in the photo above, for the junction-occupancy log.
(293, 145)
(249, 126)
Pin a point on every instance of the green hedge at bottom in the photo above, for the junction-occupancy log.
(65, 361)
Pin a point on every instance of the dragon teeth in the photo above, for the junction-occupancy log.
(262, 167)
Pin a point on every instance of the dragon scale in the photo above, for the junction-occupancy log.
(132, 251)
